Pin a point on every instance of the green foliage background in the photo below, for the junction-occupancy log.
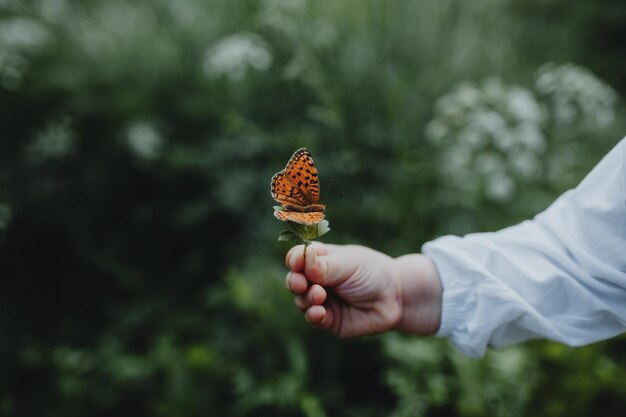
(139, 268)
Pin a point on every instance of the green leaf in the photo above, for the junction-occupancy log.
(289, 236)
(312, 231)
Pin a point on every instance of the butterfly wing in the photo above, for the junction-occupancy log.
(285, 192)
(310, 218)
(298, 183)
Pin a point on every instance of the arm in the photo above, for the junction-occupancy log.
(561, 276)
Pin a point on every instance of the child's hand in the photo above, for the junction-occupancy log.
(353, 290)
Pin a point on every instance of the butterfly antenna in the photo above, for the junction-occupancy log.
(330, 185)
(334, 199)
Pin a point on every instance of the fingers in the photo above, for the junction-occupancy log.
(310, 264)
(316, 315)
(312, 304)
(324, 264)
(295, 257)
(321, 317)
(296, 282)
(316, 295)
(315, 267)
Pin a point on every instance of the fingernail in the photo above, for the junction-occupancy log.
(288, 280)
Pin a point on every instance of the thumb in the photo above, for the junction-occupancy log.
(329, 265)
(295, 258)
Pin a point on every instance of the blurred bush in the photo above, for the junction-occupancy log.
(137, 140)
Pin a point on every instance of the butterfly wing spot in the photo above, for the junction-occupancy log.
(284, 192)
(304, 209)
(301, 170)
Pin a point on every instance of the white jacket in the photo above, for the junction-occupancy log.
(560, 276)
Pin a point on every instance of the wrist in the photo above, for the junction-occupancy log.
(419, 295)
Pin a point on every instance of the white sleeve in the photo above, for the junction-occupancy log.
(560, 276)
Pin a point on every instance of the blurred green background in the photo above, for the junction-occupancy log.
(139, 268)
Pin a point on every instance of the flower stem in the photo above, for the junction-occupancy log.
(306, 245)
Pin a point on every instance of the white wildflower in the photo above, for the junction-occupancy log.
(576, 95)
(523, 105)
(488, 120)
(482, 129)
(494, 89)
(472, 137)
(56, 140)
(532, 137)
(505, 140)
(489, 164)
(526, 165)
(22, 33)
(233, 55)
(436, 130)
(457, 159)
(499, 187)
(468, 96)
(144, 140)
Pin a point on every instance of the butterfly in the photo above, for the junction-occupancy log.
(297, 189)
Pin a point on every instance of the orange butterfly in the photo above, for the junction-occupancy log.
(297, 189)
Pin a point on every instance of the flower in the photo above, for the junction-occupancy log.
(144, 140)
(233, 55)
(574, 93)
(481, 130)
(302, 233)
